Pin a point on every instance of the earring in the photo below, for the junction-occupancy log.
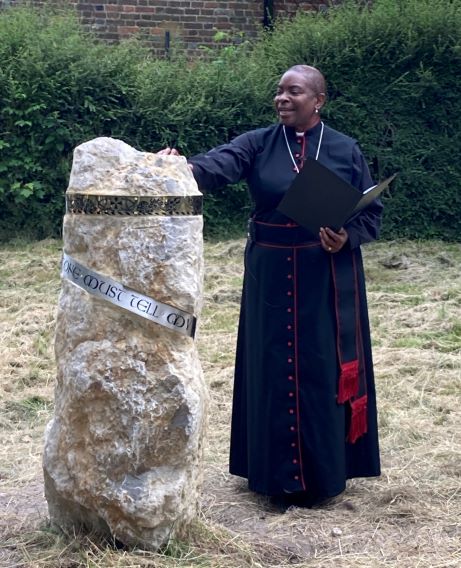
(316, 110)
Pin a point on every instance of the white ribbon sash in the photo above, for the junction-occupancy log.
(112, 291)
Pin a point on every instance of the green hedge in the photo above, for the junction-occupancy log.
(392, 74)
(57, 88)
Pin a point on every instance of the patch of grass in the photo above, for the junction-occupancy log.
(408, 342)
(28, 409)
(201, 546)
(447, 341)
(42, 342)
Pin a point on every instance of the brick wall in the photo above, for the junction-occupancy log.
(183, 24)
(186, 24)
(287, 8)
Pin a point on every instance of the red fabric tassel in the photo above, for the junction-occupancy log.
(359, 425)
(348, 381)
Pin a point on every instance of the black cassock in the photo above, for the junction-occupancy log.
(304, 408)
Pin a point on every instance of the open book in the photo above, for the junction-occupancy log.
(320, 198)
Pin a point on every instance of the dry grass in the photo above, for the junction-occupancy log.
(410, 517)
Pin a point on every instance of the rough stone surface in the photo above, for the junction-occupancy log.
(123, 452)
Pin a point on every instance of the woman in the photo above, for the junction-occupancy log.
(304, 410)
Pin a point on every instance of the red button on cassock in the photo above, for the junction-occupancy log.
(290, 276)
(288, 326)
(290, 360)
(289, 293)
(290, 377)
(292, 428)
(296, 477)
(295, 461)
(291, 394)
(291, 411)
(289, 258)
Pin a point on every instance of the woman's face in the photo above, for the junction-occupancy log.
(296, 101)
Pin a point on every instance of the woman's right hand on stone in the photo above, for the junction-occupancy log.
(170, 151)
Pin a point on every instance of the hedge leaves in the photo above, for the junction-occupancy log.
(393, 74)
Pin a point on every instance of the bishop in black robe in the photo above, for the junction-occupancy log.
(304, 414)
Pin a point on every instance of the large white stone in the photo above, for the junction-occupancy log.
(123, 453)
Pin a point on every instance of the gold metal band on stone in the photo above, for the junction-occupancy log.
(79, 203)
(114, 292)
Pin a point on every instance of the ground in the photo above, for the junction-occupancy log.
(409, 517)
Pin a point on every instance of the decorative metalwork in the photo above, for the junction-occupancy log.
(79, 203)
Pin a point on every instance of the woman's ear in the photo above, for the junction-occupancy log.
(321, 98)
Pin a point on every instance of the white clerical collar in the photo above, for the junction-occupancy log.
(302, 134)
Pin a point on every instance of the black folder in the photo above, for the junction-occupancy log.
(320, 198)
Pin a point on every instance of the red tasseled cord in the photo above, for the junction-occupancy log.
(348, 381)
(358, 419)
